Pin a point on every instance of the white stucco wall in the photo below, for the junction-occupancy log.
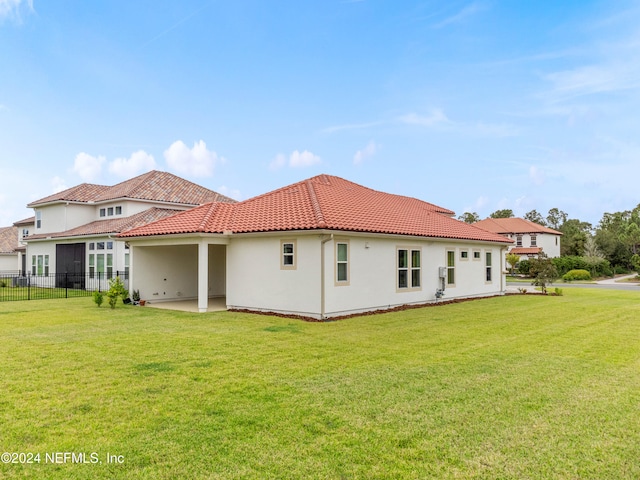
(255, 279)
(62, 217)
(9, 263)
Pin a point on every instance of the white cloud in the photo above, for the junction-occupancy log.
(88, 167)
(303, 159)
(436, 117)
(229, 192)
(58, 184)
(12, 8)
(138, 162)
(196, 161)
(297, 159)
(365, 153)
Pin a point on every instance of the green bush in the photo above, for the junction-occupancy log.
(3, 284)
(98, 298)
(577, 274)
(524, 266)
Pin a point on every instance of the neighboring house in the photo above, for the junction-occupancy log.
(530, 238)
(25, 227)
(9, 257)
(319, 248)
(75, 230)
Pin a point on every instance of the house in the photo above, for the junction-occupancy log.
(530, 238)
(9, 257)
(75, 231)
(320, 248)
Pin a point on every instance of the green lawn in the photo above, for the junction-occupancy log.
(512, 387)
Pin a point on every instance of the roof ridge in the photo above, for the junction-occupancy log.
(207, 216)
(317, 209)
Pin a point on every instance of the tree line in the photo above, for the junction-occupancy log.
(616, 238)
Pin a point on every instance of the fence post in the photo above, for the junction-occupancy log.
(28, 287)
(66, 285)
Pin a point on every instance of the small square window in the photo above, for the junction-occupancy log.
(92, 246)
(118, 210)
(476, 255)
(110, 211)
(109, 245)
(100, 245)
(103, 212)
(464, 255)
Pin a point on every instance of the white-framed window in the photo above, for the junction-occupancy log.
(487, 266)
(100, 245)
(100, 265)
(38, 219)
(464, 254)
(126, 265)
(451, 267)
(92, 266)
(118, 210)
(109, 245)
(109, 265)
(25, 232)
(342, 263)
(476, 254)
(534, 241)
(288, 254)
(40, 265)
(110, 211)
(518, 240)
(92, 246)
(409, 268)
(103, 212)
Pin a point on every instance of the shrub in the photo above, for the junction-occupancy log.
(116, 289)
(577, 274)
(524, 266)
(558, 291)
(3, 284)
(98, 298)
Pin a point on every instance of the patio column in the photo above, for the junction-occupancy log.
(203, 276)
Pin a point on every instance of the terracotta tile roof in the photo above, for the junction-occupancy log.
(525, 250)
(8, 239)
(154, 185)
(113, 225)
(26, 222)
(322, 202)
(513, 225)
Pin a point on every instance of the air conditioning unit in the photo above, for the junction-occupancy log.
(442, 272)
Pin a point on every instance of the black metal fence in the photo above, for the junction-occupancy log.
(16, 286)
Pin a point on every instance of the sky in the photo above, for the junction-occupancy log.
(472, 105)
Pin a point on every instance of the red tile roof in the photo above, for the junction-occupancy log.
(526, 250)
(513, 225)
(111, 226)
(154, 185)
(322, 202)
(26, 222)
(8, 239)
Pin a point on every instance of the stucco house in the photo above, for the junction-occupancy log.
(75, 231)
(530, 238)
(320, 248)
(9, 256)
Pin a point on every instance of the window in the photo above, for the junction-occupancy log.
(409, 268)
(109, 245)
(118, 210)
(464, 254)
(38, 219)
(46, 265)
(288, 251)
(126, 265)
(33, 265)
(92, 266)
(92, 246)
(103, 212)
(342, 262)
(100, 265)
(476, 254)
(451, 267)
(110, 211)
(109, 265)
(487, 266)
(534, 241)
(100, 245)
(42, 265)
(556, 241)
(518, 240)
(25, 232)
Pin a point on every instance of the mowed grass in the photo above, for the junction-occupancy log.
(511, 387)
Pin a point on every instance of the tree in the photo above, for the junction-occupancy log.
(534, 216)
(543, 272)
(512, 260)
(574, 236)
(505, 213)
(469, 217)
(556, 218)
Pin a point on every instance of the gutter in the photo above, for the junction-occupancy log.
(322, 275)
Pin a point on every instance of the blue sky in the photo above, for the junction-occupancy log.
(472, 105)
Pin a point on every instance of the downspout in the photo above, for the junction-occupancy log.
(503, 267)
(322, 276)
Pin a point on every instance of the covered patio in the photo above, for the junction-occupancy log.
(218, 304)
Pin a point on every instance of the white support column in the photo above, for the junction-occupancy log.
(203, 276)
